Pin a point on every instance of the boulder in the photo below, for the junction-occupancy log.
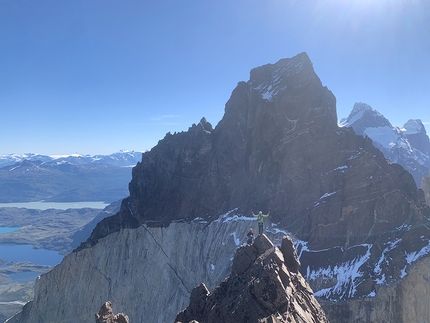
(106, 315)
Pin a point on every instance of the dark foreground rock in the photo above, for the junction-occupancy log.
(264, 286)
(106, 315)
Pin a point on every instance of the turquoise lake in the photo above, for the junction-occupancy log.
(6, 229)
(41, 205)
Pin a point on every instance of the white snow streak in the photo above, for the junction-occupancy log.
(413, 256)
(345, 275)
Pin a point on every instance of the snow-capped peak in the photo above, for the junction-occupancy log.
(413, 126)
(360, 107)
(123, 158)
(362, 113)
(408, 146)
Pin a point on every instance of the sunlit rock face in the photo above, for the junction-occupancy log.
(147, 273)
(405, 300)
(358, 222)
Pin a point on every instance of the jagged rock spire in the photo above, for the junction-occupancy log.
(106, 315)
(264, 286)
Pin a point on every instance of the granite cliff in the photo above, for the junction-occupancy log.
(359, 223)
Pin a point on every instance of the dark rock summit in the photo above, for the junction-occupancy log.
(264, 286)
(106, 315)
(278, 148)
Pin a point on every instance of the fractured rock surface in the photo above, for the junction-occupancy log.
(262, 287)
(106, 315)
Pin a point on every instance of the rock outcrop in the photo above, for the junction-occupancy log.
(264, 286)
(359, 223)
(106, 315)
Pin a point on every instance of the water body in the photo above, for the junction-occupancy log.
(26, 253)
(41, 205)
(24, 277)
(6, 229)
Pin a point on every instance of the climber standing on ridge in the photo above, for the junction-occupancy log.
(260, 217)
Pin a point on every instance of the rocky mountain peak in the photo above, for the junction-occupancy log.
(363, 116)
(283, 95)
(416, 134)
(264, 286)
(408, 146)
(273, 79)
(285, 154)
(413, 126)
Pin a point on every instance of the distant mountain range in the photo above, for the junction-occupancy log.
(408, 146)
(122, 158)
(73, 178)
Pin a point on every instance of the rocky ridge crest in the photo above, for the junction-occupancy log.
(264, 286)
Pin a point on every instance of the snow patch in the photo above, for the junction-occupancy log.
(235, 238)
(275, 230)
(341, 167)
(325, 196)
(383, 260)
(226, 218)
(346, 275)
(300, 246)
(414, 256)
(349, 121)
(385, 136)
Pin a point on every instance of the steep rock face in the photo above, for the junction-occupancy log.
(426, 188)
(277, 148)
(403, 301)
(358, 221)
(246, 161)
(262, 287)
(147, 272)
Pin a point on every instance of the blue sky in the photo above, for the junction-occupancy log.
(97, 76)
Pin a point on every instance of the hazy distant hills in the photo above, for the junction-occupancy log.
(122, 158)
(408, 146)
(74, 178)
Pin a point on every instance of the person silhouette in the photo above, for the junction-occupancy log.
(250, 236)
(260, 217)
